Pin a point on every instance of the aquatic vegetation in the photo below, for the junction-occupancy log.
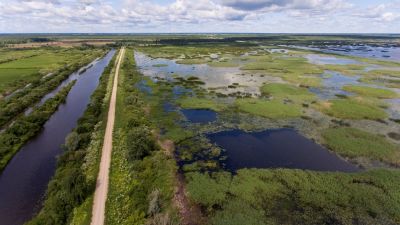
(273, 109)
(371, 92)
(282, 196)
(352, 109)
(353, 143)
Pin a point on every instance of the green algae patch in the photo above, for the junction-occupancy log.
(351, 142)
(287, 91)
(352, 109)
(371, 92)
(201, 103)
(273, 109)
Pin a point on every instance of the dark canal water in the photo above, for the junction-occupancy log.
(24, 181)
(279, 148)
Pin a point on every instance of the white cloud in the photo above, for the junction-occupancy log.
(196, 15)
(382, 13)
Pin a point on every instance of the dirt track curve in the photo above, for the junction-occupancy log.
(100, 195)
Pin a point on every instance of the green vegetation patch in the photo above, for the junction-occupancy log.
(192, 61)
(160, 65)
(351, 142)
(201, 103)
(273, 109)
(352, 109)
(295, 70)
(371, 92)
(284, 196)
(287, 91)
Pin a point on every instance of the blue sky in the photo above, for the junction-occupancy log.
(138, 16)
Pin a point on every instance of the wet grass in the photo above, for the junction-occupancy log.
(353, 143)
(371, 92)
(273, 109)
(352, 109)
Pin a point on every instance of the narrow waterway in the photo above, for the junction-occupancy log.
(24, 181)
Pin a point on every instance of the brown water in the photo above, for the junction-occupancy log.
(24, 181)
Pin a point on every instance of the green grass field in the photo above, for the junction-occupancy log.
(371, 92)
(352, 109)
(287, 91)
(18, 73)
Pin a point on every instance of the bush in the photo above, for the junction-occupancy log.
(139, 143)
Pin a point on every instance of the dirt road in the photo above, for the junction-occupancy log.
(100, 195)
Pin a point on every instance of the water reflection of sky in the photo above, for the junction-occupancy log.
(333, 83)
(382, 53)
(329, 60)
(218, 78)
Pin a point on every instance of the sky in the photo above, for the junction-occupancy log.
(199, 16)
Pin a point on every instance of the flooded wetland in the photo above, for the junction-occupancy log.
(286, 119)
(203, 129)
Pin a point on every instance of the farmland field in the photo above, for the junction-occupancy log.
(18, 68)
